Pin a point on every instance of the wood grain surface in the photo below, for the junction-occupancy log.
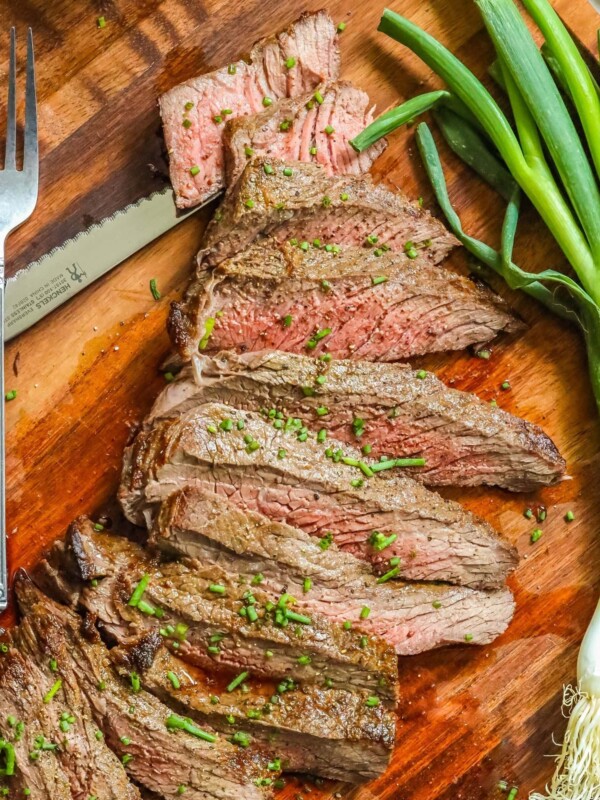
(86, 375)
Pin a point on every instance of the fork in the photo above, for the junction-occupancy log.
(18, 196)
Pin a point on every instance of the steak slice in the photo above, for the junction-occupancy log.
(309, 204)
(205, 601)
(266, 468)
(378, 308)
(133, 722)
(388, 407)
(25, 723)
(66, 724)
(295, 129)
(335, 584)
(332, 733)
(292, 62)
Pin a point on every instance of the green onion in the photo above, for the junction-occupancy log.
(328, 129)
(290, 62)
(266, 101)
(237, 681)
(232, 69)
(364, 612)
(101, 22)
(536, 535)
(249, 203)
(136, 684)
(187, 123)
(326, 542)
(194, 170)
(175, 722)
(379, 541)
(10, 395)
(288, 172)
(241, 738)
(569, 516)
(307, 585)
(217, 588)
(313, 151)
(376, 281)
(341, 27)
(139, 590)
(372, 702)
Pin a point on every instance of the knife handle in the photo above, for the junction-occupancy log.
(3, 564)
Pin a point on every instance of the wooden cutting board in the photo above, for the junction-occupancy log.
(86, 375)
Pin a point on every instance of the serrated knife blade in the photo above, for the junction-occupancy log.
(57, 276)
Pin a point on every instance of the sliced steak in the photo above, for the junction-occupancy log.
(69, 733)
(206, 601)
(27, 724)
(295, 199)
(335, 584)
(313, 127)
(351, 304)
(332, 733)
(390, 408)
(194, 113)
(266, 467)
(133, 722)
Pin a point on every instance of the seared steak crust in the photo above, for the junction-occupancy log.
(331, 732)
(296, 129)
(464, 440)
(194, 112)
(374, 307)
(186, 594)
(133, 721)
(211, 529)
(294, 481)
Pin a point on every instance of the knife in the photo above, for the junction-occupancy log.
(57, 276)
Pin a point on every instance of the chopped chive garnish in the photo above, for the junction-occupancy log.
(101, 22)
(421, 374)
(341, 27)
(237, 681)
(468, 637)
(294, 617)
(268, 169)
(366, 469)
(249, 203)
(136, 684)
(266, 101)
(248, 151)
(366, 449)
(194, 170)
(175, 722)
(364, 612)
(569, 516)
(528, 513)
(389, 575)
(225, 112)
(321, 435)
(208, 329)
(55, 688)
(9, 758)
(304, 661)
(484, 354)
(187, 123)
(536, 535)
(505, 386)
(318, 97)
(53, 665)
(241, 738)
(307, 585)
(326, 202)
(379, 541)
(288, 172)
(313, 151)
(257, 579)
(281, 453)
(376, 281)
(290, 62)
(211, 428)
(285, 126)
(232, 69)
(347, 625)
(139, 590)
(373, 702)
(226, 424)
(329, 129)
(322, 411)
(218, 119)
(217, 588)
(326, 542)
(189, 105)
(436, 604)
(241, 424)
(174, 680)
(287, 320)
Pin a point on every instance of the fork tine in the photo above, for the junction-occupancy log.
(11, 115)
(30, 155)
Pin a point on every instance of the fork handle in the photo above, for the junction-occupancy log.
(3, 564)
